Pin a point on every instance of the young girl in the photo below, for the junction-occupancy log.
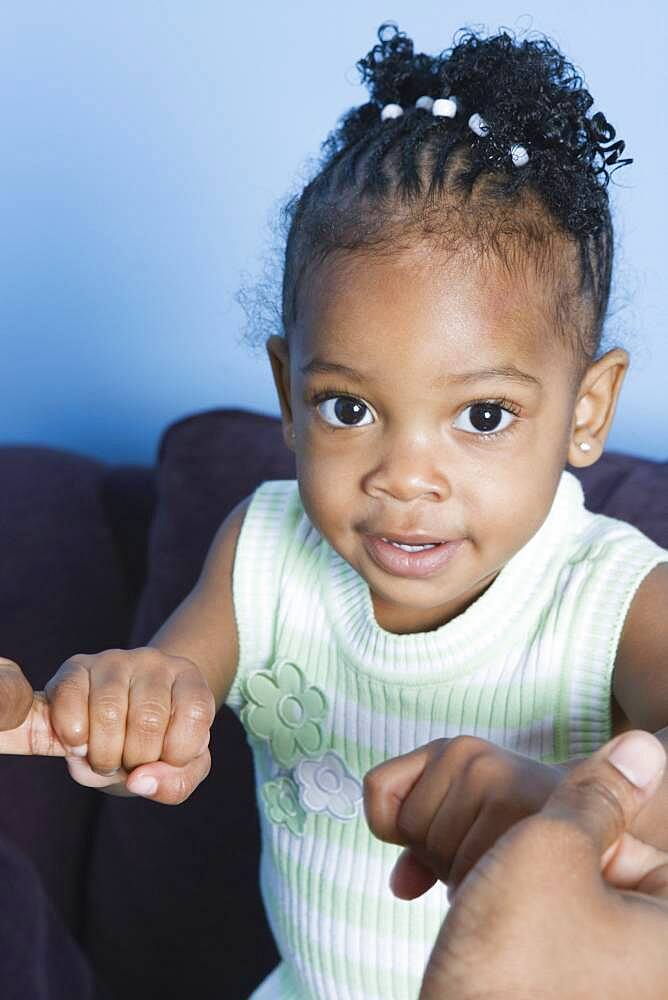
(433, 572)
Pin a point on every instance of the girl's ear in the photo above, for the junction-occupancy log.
(595, 407)
(277, 349)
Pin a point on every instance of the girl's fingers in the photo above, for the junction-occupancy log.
(67, 692)
(387, 786)
(193, 712)
(174, 784)
(410, 878)
(449, 835)
(81, 771)
(107, 715)
(149, 714)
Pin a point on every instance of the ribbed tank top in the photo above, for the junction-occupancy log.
(325, 693)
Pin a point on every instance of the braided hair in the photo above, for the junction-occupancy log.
(383, 184)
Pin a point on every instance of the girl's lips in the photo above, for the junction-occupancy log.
(401, 563)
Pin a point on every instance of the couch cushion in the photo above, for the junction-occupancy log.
(630, 488)
(207, 463)
(63, 592)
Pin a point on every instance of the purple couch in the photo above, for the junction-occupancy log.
(163, 900)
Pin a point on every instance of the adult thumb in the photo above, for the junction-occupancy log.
(602, 796)
(15, 694)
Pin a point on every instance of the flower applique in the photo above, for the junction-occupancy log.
(282, 806)
(326, 785)
(285, 710)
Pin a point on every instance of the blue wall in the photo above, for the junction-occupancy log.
(146, 146)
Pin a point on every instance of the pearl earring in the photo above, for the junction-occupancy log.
(585, 446)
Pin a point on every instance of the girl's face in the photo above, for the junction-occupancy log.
(427, 403)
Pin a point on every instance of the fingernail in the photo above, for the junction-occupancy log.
(640, 757)
(79, 751)
(143, 785)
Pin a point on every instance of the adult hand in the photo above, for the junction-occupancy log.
(566, 903)
(15, 694)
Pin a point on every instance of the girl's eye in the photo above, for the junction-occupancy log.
(344, 411)
(486, 418)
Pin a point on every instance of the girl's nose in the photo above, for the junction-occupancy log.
(407, 470)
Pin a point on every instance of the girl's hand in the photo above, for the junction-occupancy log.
(121, 716)
(448, 802)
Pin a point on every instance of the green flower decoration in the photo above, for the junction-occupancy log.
(281, 804)
(285, 710)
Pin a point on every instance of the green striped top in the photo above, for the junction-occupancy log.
(325, 694)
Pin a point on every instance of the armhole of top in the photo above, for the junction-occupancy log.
(636, 579)
(588, 693)
(256, 576)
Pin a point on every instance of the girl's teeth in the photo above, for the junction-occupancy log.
(412, 548)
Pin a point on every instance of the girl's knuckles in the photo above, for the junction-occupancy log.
(150, 723)
(373, 785)
(201, 711)
(66, 685)
(108, 714)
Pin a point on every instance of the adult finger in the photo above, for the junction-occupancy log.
(15, 695)
(601, 797)
(638, 866)
(35, 735)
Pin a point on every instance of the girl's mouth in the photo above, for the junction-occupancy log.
(402, 559)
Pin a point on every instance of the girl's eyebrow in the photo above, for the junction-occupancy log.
(509, 373)
(317, 365)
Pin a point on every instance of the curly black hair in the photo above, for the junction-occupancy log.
(381, 185)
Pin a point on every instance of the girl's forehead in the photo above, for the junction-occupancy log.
(411, 309)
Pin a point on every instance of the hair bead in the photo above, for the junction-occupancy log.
(391, 111)
(519, 155)
(425, 102)
(478, 124)
(446, 107)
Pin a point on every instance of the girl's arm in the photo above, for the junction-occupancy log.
(203, 627)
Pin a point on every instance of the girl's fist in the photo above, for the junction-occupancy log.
(448, 802)
(121, 716)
